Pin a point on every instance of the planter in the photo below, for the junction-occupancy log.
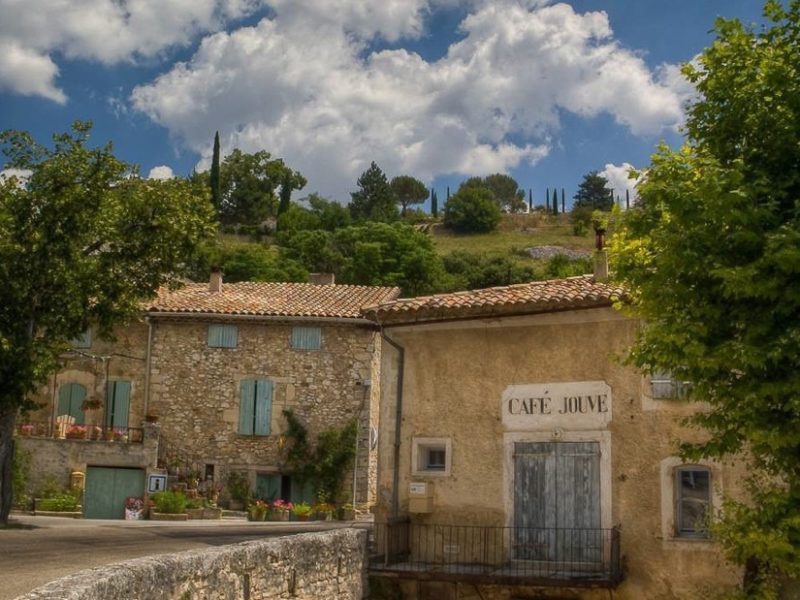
(235, 505)
(195, 513)
(347, 514)
(305, 517)
(257, 515)
(279, 515)
(157, 516)
(212, 513)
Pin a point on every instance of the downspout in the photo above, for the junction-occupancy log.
(397, 423)
(147, 366)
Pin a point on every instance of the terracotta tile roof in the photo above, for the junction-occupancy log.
(273, 299)
(525, 298)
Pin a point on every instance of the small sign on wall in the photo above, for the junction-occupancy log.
(570, 405)
(156, 483)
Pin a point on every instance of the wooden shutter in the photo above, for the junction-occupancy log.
(223, 336)
(247, 406)
(306, 338)
(70, 400)
(118, 395)
(263, 407)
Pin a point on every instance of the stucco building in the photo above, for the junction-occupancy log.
(215, 365)
(519, 456)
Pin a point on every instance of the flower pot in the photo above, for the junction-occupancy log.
(305, 517)
(256, 515)
(279, 515)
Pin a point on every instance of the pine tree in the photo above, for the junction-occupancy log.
(555, 201)
(216, 196)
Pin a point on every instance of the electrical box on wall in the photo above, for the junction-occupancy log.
(420, 497)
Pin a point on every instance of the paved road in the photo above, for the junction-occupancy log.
(53, 547)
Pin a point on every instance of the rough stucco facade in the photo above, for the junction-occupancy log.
(462, 378)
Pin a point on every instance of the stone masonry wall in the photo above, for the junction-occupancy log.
(308, 566)
(195, 392)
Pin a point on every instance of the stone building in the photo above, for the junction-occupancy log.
(519, 456)
(215, 365)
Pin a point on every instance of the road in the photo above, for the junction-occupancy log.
(37, 550)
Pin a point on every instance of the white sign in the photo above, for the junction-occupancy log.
(417, 489)
(572, 405)
(156, 483)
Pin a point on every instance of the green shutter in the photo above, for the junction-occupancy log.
(118, 400)
(83, 340)
(70, 400)
(223, 336)
(263, 406)
(246, 406)
(306, 338)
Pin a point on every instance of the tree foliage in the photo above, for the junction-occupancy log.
(408, 190)
(214, 181)
(472, 209)
(711, 254)
(470, 270)
(83, 240)
(593, 192)
(506, 192)
(374, 200)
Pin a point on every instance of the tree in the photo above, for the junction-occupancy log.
(374, 199)
(255, 262)
(83, 240)
(216, 194)
(286, 193)
(555, 201)
(506, 191)
(593, 192)
(470, 270)
(248, 183)
(408, 190)
(711, 255)
(472, 210)
(434, 204)
(332, 215)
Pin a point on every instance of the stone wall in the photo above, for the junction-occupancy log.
(196, 392)
(308, 566)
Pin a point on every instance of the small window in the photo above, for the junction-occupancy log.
(83, 340)
(693, 499)
(223, 336)
(306, 338)
(431, 456)
(665, 386)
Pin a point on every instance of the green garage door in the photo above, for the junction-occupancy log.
(106, 490)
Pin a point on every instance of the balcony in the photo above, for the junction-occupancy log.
(497, 555)
(68, 431)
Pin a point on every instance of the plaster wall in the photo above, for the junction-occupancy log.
(453, 387)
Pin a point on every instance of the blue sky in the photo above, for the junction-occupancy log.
(438, 89)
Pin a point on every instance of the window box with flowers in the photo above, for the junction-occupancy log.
(77, 432)
(280, 510)
(257, 511)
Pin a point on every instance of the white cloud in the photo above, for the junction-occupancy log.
(106, 31)
(161, 172)
(619, 180)
(21, 175)
(303, 89)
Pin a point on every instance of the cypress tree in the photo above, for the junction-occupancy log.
(286, 193)
(448, 192)
(216, 196)
(563, 202)
(555, 201)
(434, 204)
(547, 199)
(530, 199)
(627, 199)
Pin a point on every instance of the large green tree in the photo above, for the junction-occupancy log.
(374, 200)
(711, 255)
(506, 191)
(472, 209)
(408, 190)
(593, 193)
(83, 240)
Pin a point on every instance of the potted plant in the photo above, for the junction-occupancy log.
(347, 512)
(76, 432)
(194, 508)
(280, 510)
(302, 511)
(257, 511)
(170, 506)
(134, 508)
(239, 490)
(324, 511)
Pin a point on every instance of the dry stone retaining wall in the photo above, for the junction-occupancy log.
(307, 566)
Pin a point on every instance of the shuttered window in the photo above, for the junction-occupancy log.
(223, 336)
(666, 387)
(118, 400)
(70, 398)
(306, 338)
(84, 340)
(255, 406)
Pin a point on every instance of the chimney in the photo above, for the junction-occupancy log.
(600, 255)
(322, 278)
(215, 281)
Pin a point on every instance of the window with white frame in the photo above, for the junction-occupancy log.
(664, 386)
(431, 456)
(223, 336)
(692, 501)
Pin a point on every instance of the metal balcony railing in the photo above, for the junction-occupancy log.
(510, 555)
(100, 433)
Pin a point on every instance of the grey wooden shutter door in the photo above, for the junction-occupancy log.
(263, 406)
(246, 406)
(306, 338)
(578, 488)
(534, 500)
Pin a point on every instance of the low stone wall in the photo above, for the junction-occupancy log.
(331, 564)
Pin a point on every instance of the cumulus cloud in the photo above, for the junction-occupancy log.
(21, 175)
(619, 180)
(106, 31)
(307, 90)
(161, 172)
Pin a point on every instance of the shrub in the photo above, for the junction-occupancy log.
(239, 487)
(60, 502)
(171, 503)
(472, 210)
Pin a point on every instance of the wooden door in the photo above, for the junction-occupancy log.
(106, 490)
(557, 501)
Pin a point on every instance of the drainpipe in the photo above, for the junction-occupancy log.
(397, 424)
(147, 365)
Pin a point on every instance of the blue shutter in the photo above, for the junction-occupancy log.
(63, 399)
(246, 407)
(223, 336)
(70, 400)
(118, 400)
(83, 340)
(263, 407)
(306, 338)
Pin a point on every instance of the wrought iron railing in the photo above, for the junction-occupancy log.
(552, 556)
(100, 433)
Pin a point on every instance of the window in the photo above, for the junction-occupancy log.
(665, 387)
(70, 401)
(306, 338)
(431, 456)
(693, 499)
(223, 336)
(255, 407)
(84, 340)
(118, 400)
